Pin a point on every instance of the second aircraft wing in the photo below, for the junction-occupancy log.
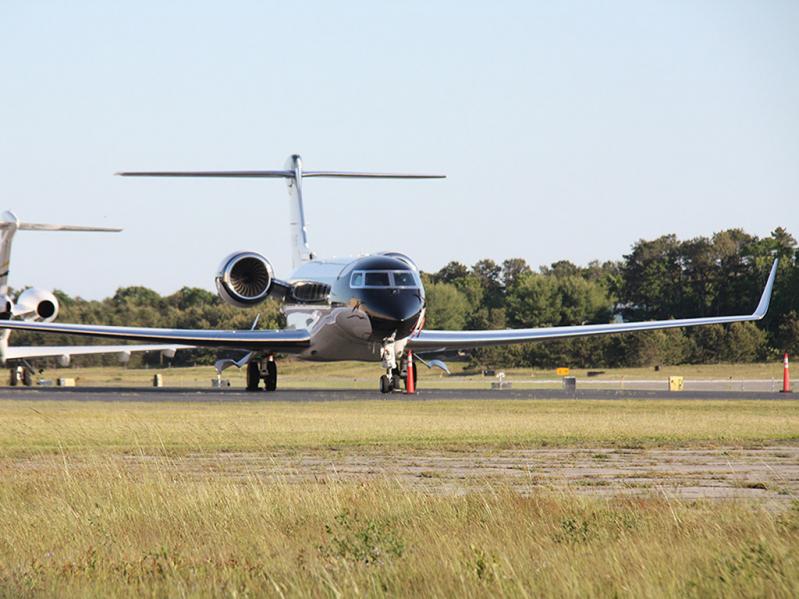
(285, 341)
(23, 352)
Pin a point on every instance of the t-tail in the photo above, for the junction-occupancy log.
(293, 172)
(10, 224)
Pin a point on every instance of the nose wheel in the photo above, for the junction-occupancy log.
(395, 377)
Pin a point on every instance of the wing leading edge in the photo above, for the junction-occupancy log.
(450, 340)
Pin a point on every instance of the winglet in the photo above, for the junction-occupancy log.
(762, 306)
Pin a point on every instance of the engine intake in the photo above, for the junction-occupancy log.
(37, 305)
(244, 279)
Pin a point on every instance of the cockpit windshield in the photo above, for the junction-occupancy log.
(391, 279)
(376, 279)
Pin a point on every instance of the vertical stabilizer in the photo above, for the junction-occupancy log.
(300, 252)
(9, 224)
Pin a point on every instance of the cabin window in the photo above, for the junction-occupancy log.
(357, 279)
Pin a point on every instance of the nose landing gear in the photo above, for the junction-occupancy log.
(396, 375)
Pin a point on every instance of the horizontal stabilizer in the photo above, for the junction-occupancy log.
(46, 227)
(294, 175)
(280, 174)
(9, 220)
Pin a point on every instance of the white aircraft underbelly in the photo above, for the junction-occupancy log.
(337, 333)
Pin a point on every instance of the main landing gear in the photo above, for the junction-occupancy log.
(21, 374)
(265, 370)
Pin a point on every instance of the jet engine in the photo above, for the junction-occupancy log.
(38, 305)
(244, 279)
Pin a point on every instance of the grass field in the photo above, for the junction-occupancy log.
(359, 375)
(179, 499)
(110, 534)
(179, 428)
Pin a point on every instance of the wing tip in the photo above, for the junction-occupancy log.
(765, 298)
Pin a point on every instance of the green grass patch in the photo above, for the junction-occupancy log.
(56, 426)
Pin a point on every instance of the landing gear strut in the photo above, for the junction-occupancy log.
(262, 369)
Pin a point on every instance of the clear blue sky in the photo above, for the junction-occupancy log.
(568, 130)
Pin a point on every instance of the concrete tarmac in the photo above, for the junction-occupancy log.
(176, 394)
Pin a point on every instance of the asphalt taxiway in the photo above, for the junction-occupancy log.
(181, 394)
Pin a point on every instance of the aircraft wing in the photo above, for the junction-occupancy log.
(284, 341)
(451, 340)
(20, 352)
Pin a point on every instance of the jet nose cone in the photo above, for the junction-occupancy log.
(403, 311)
(397, 315)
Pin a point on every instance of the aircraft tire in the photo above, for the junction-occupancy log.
(13, 379)
(253, 375)
(385, 384)
(270, 380)
(396, 382)
(27, 378)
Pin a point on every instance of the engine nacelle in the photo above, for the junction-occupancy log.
(244, 279)
(38, 305)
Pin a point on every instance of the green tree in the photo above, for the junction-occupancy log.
(447, 307)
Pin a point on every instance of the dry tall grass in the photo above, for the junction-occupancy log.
(94, 503)
(104, 530)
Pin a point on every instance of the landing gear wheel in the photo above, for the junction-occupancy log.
(253, 375)
(396, 382)
(396, 379)
(27, 377)
(270, 380)
(385, 384)
(13, 377)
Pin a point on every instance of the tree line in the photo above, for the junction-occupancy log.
(659, 279)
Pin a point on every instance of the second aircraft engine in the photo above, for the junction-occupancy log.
(37, 304)
(244, 279)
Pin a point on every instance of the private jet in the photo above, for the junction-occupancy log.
(41, 305)
(366, 308)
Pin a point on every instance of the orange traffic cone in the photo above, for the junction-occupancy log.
(410, 387)
(786, 376)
